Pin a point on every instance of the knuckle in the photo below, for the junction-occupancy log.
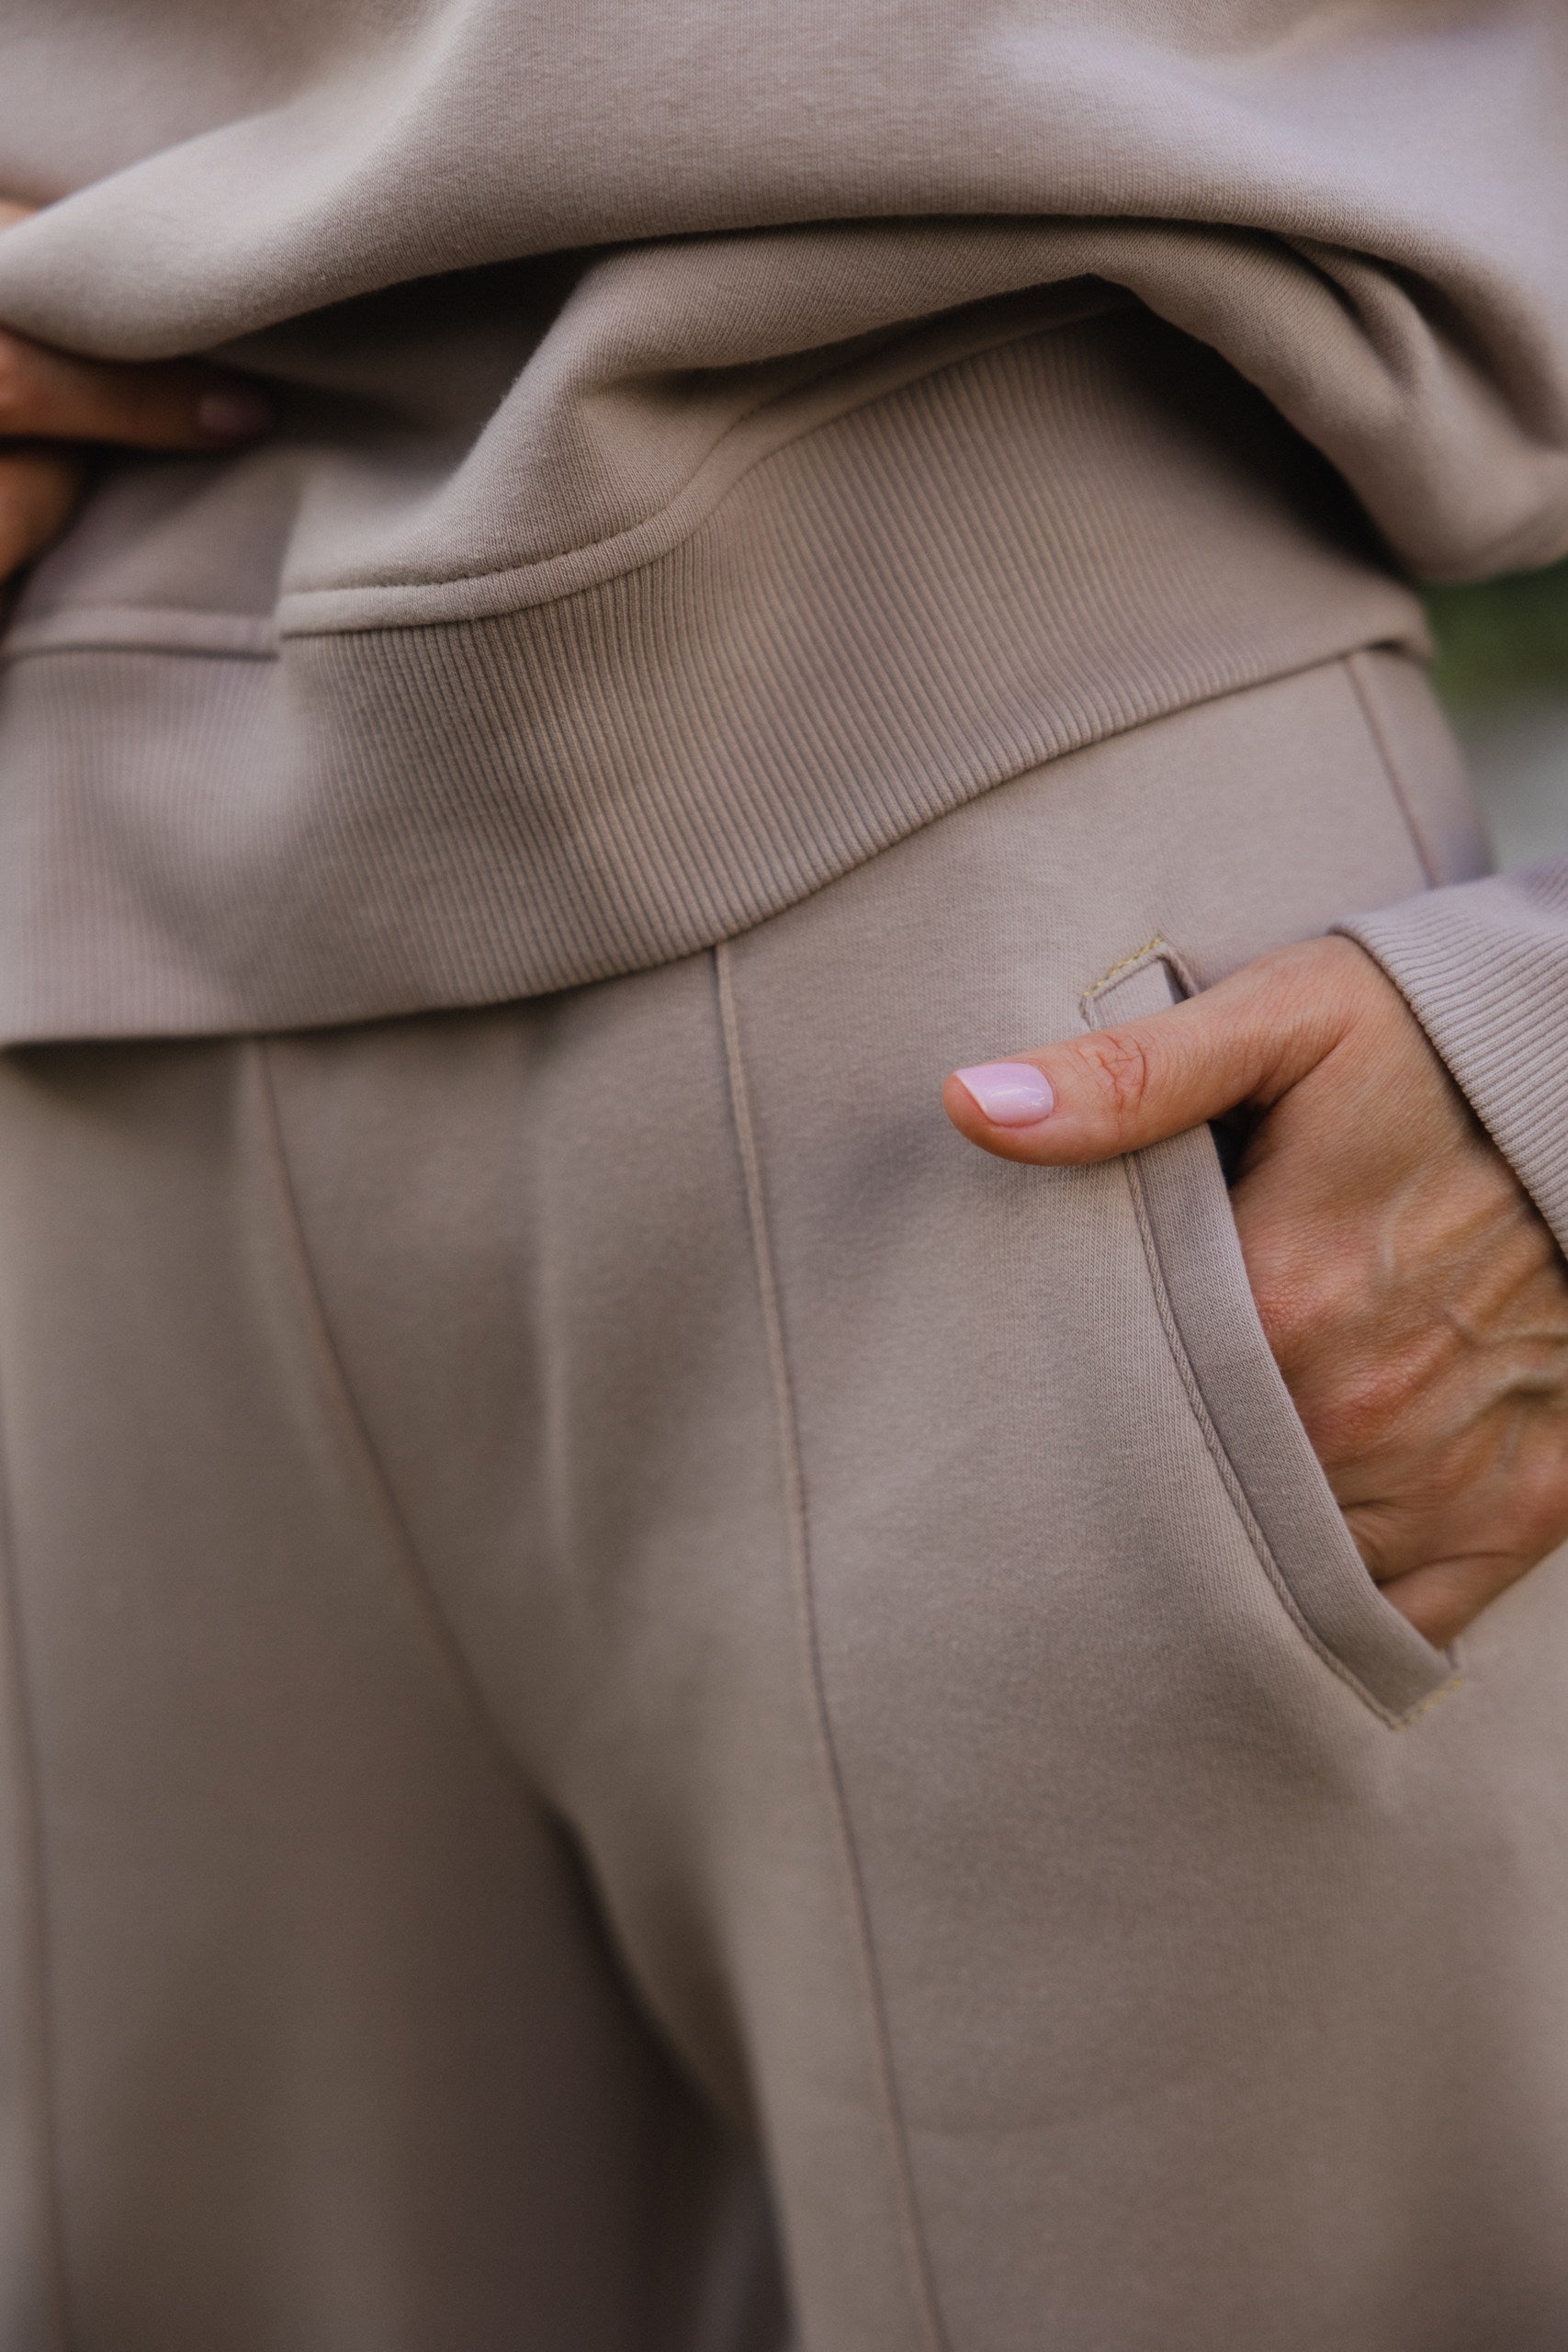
(1377, 1532)
(1294, 1312)
(1309, 1308)
(1290, 1323)
(1120, 1063)
(1371, 1406)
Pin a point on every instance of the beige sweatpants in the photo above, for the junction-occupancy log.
(621, 1652)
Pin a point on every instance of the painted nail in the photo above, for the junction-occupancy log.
(1012, 1094)
(233, 415)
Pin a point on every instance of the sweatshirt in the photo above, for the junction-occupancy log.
(714, 442)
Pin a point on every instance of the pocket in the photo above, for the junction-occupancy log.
(1237, 1393)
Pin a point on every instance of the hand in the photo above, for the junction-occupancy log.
(47, 397)
(1415, 1302)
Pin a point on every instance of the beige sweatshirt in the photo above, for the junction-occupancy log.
(718, 440)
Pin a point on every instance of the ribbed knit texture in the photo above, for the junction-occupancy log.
(1031, 548)
(1484, 966)
(641, 542)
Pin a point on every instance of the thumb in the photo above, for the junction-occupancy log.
(1249, 1040)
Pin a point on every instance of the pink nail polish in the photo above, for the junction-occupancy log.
(1012, 1094)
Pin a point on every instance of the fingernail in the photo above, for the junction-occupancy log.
(234, 416)
(1012, 1094)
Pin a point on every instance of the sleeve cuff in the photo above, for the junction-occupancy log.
(1484, 967)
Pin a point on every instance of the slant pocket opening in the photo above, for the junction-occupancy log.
(1242, 1403)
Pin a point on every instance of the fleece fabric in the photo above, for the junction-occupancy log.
(640, 1717)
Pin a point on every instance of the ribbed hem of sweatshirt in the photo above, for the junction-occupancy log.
(1033, 548)
(1484, 968)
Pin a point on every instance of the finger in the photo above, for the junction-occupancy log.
(38, 494)
(1444, 1596)
(51, 395)
(1498, 1486)
(1246, 1040)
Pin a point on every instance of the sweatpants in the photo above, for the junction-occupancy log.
(650, 1707)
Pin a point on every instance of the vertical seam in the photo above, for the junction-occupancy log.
(1391, 768)
(34, 1960)
(801, 1568)
(432, 1614)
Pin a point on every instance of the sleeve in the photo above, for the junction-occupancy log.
(1484, 965)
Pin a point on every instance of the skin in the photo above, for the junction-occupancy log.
(1416, 1301)
(56, 410)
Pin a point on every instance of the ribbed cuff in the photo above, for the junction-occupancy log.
(1484, 968)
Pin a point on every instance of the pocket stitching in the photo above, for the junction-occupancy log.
(1158, 950)
(1396, 1719)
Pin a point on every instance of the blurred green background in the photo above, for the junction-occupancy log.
(1502, 671)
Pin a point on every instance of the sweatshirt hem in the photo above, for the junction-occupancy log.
(1054, 540)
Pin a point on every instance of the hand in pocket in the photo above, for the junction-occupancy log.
(54, 407)
(1416, 1301)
